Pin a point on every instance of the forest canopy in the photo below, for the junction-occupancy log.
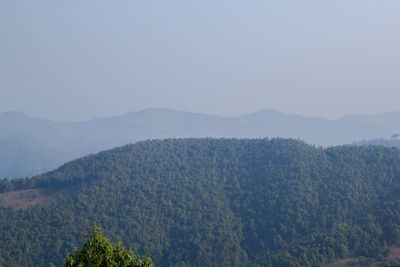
(205, 202)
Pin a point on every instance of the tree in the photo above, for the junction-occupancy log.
(98, 251)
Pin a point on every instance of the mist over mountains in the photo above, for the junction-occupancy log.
(30, 146)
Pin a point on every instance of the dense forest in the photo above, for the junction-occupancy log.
(210, 202)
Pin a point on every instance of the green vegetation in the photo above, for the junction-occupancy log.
(209, 202)
(98, 251)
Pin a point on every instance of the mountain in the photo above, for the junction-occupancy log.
(388, 121)
(212, 202)
(394, 142)
(30, 146)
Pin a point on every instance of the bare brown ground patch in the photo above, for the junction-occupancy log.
(393, 258)
(394, 253)
(44, 197)
(341, 262)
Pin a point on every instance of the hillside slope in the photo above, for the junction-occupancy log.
(209, 202)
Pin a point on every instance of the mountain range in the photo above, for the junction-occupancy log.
(30, 146)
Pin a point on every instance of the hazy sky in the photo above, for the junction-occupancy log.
(82, 59)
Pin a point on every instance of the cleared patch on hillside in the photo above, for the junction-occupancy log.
(342, 262)
(23, 199)
(393, 258)
(394, 254)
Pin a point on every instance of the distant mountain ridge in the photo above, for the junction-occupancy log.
(380, 142)
(30, 146)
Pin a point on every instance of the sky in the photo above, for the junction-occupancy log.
(76, 60)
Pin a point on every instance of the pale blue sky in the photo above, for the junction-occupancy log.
(78, 59)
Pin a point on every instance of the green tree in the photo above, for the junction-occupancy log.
(98, 251)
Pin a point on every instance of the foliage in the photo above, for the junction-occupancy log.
(98, 251)
(209, 202)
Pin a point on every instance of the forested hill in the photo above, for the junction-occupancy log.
(211, 202)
